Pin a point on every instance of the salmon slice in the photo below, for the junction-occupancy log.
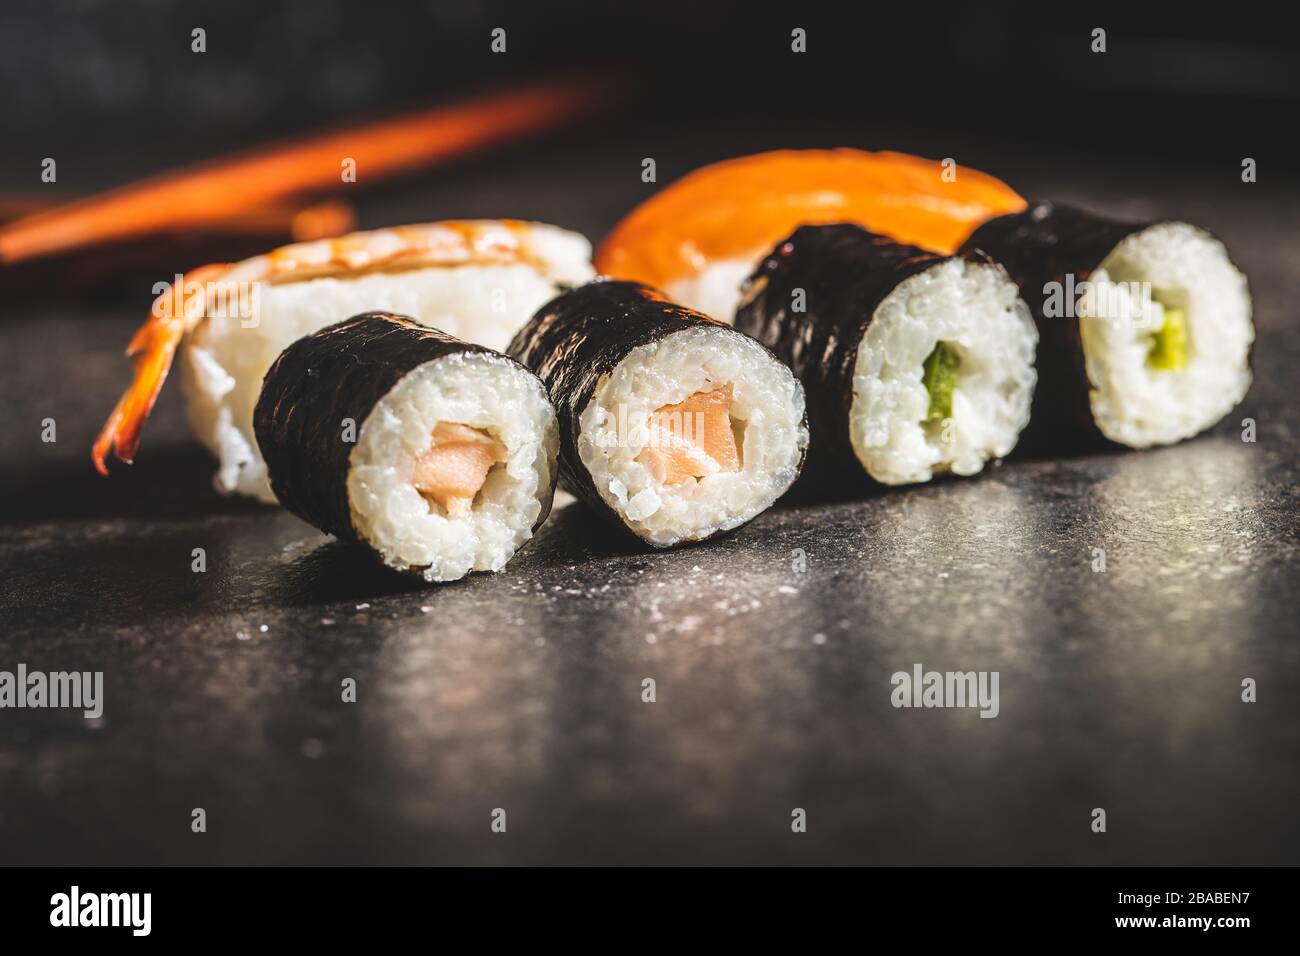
(456, 465)
(692, 439)
(740, 208)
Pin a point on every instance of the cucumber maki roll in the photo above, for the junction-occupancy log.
(1146, 328)
(913, 363)
(437, 455)
(673, 425)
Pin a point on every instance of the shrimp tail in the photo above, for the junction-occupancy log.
(153, 347)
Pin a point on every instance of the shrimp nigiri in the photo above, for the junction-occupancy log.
(479, 280)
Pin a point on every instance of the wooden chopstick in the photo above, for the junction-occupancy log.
(214, 191)
(301, 221)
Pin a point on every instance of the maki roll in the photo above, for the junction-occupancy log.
(478, 280)
(913, 363)
(1146, 328)
(437, 455)
(699, 238)
(673, 425)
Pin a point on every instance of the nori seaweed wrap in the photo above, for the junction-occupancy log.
(1144, 328)
(437, 454)
(913, 363)
(672, 425)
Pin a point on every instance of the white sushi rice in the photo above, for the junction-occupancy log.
(1187, 268)
(767, 415)
(223, 363)
(486, 392)
(716, 289)
(977, 309)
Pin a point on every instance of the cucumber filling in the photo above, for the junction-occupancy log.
(939, 375)
(1169, 342)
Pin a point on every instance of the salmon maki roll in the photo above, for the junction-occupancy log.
(437, 455)
(1146, 327)
(913, 363)
(672, 425)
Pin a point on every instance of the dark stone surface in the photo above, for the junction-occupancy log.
(522, 690)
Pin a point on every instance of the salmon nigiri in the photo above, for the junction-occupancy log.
(699, 238)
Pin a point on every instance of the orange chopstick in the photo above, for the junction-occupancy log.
(213, 191)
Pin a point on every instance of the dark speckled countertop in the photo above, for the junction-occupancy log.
(522, 690)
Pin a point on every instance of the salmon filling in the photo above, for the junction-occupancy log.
(692, 439)
(452, 472)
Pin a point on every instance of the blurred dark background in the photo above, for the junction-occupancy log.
(116, 82)
(92, 72)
